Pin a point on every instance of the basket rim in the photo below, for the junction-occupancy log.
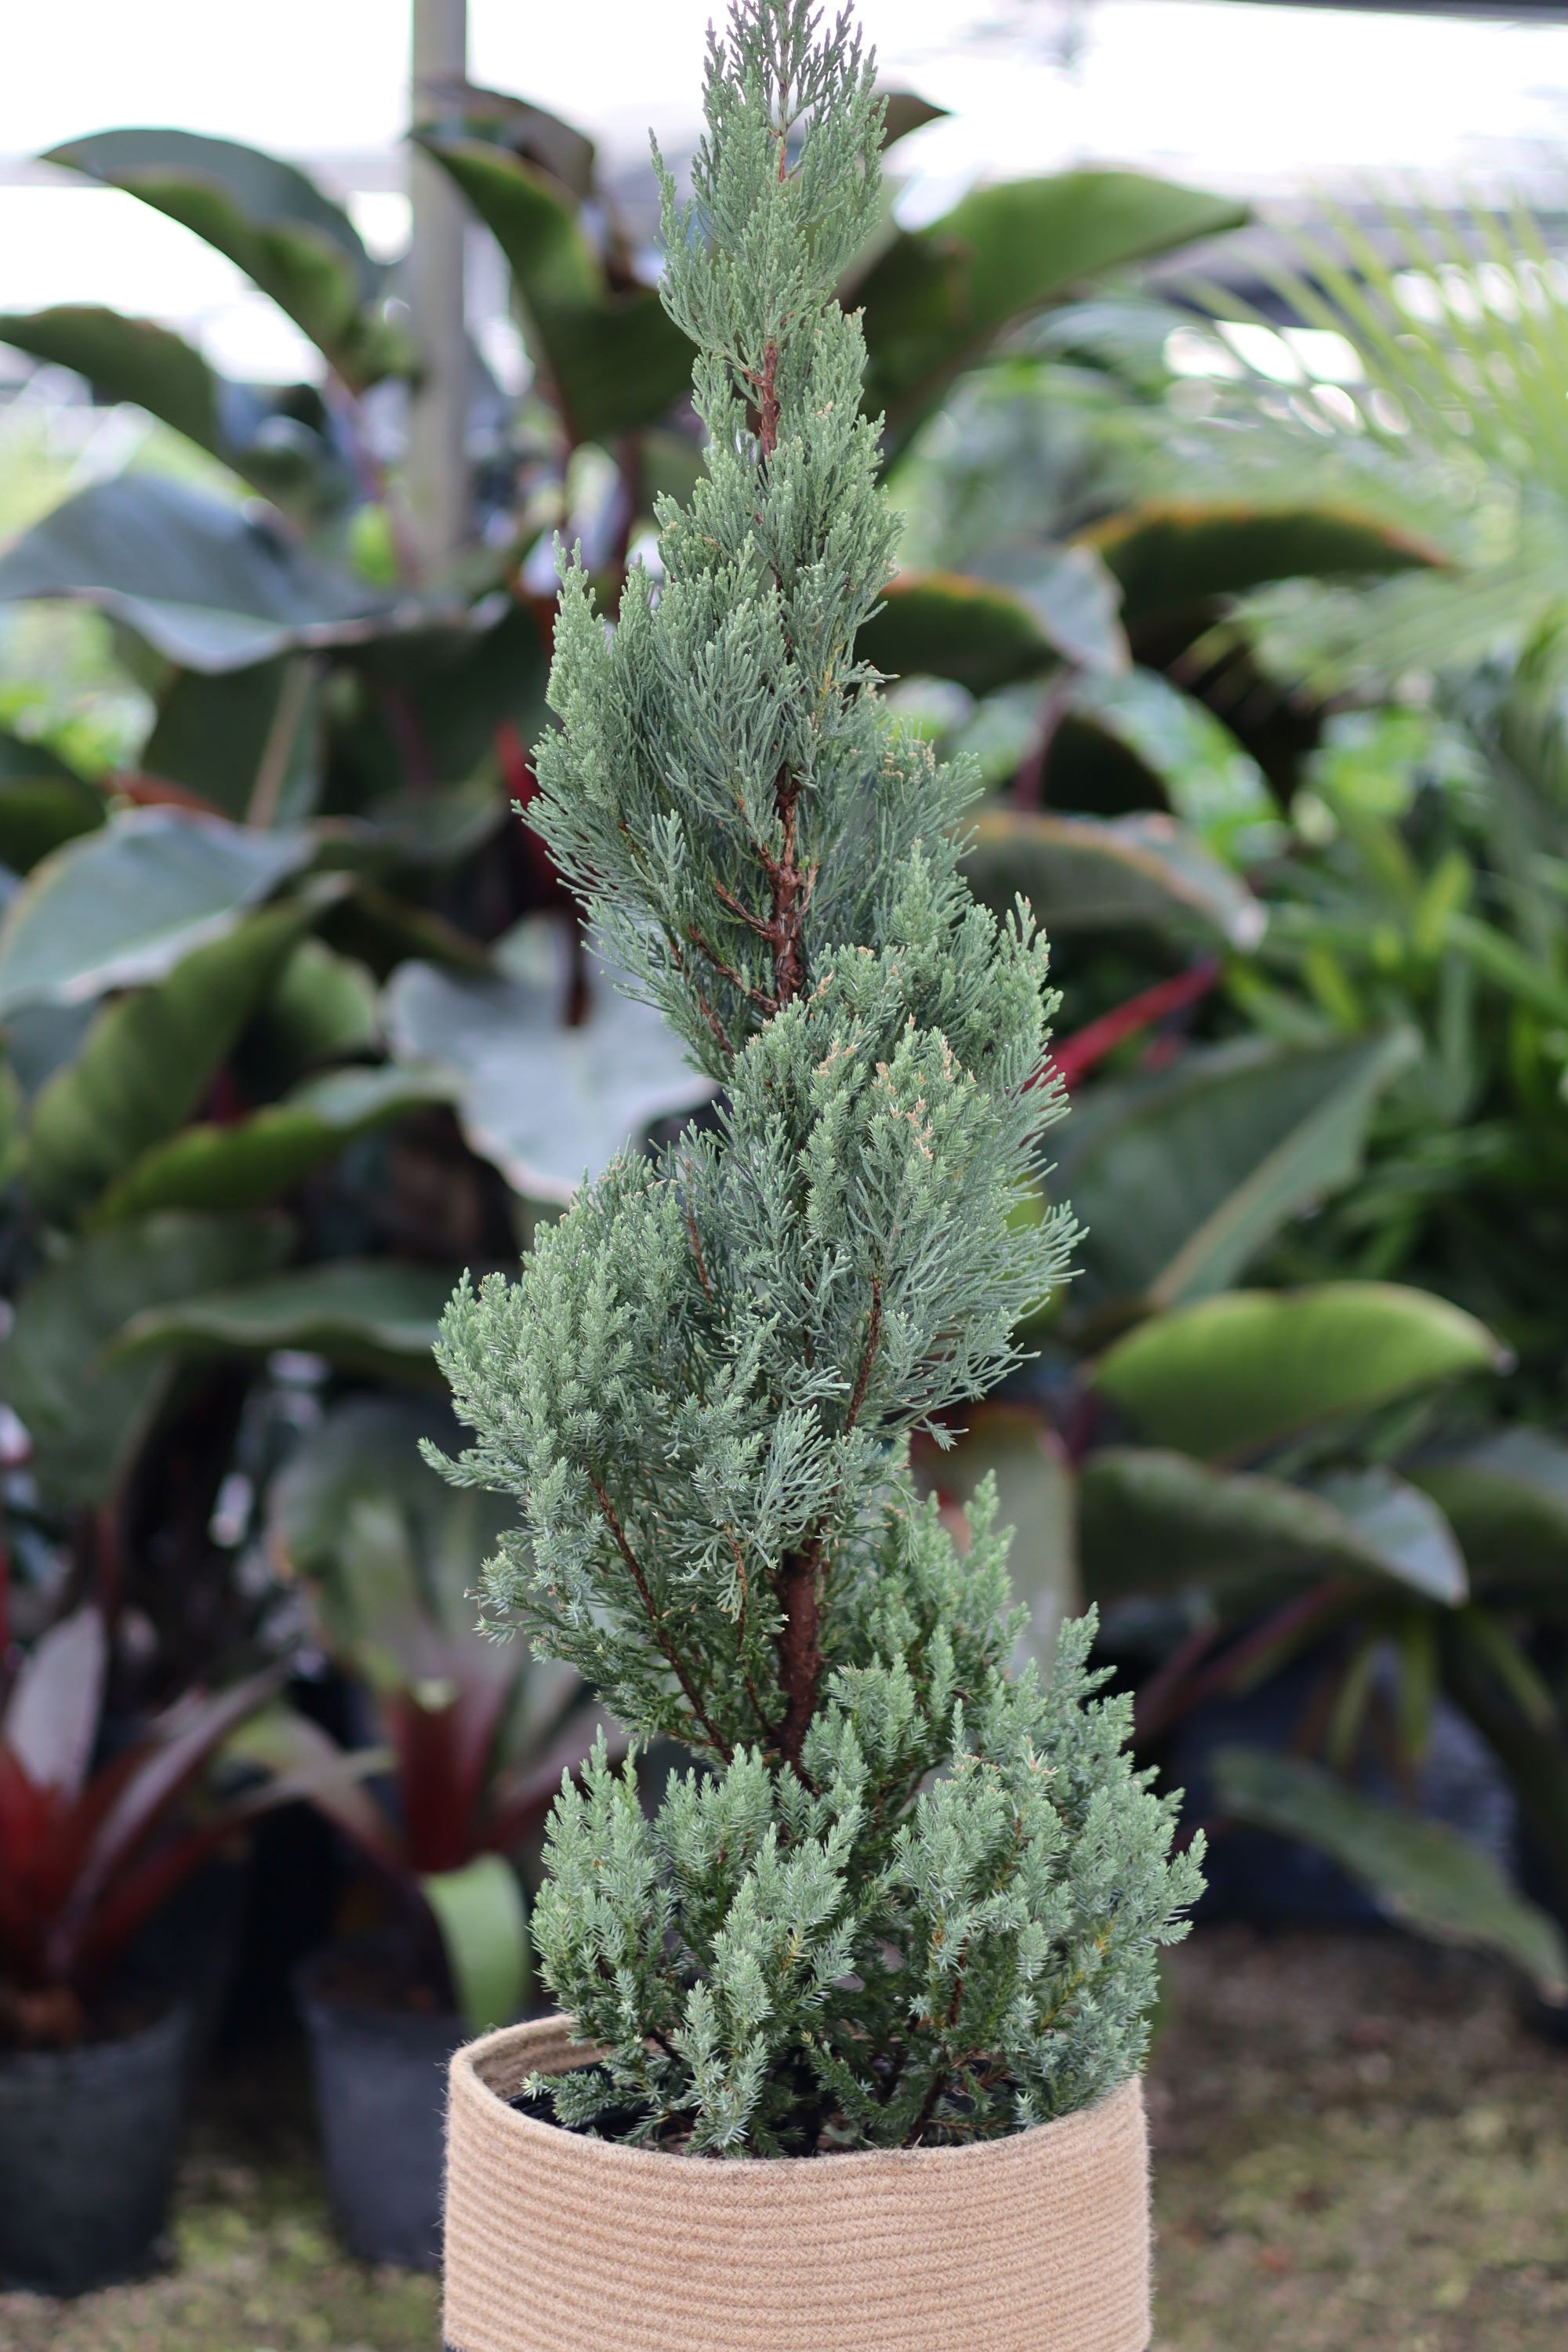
(471, 2085)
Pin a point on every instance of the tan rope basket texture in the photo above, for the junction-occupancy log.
(1039, 2242)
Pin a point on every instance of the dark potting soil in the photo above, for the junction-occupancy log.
(56, 2019)
(611, 2122)
(373, 1976)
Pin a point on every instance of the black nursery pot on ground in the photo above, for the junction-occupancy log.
(88, 2140)
(380, 2076)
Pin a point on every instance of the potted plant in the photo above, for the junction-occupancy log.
(92, 2063)
(852, 2020)
(476, 1738)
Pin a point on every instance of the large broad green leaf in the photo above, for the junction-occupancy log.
(146, 1063)
(614, 361)
(545, 1103)
(483, 1921)
(986, 634)
(271, 221)
(368, 1450)
(1182, 1178)
(126, 359)
(1507, 1498)
(936, 298)
(1226, 1377)
(1173, 557)
(123, 906)
(10, 1122)
(438, 699)
(1199, 768)
(941, 625)
(256, 1161)
(208, 585)
(1035, 1495)
(1485, 1673)
(1422, 1873)
(1086, 874)
(1154, 1522)
(1404, 1527)
(322, 1010)
(43, 804)
(248, 741)
(365, 1314)
(85, 1414)
(259, 431)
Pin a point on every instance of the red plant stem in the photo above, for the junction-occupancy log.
(1075, 1056)
(1179, 1687)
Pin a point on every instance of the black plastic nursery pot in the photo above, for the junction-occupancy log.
(89, 2140)
(380, 2079)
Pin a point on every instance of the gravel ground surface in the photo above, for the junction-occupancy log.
(1359, 2151)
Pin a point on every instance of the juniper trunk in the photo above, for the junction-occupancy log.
(907, 1895)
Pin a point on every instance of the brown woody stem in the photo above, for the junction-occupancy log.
(666, 1648)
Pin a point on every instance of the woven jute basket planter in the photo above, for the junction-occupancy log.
(1039, 2242)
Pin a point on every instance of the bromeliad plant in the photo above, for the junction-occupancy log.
(906, 1895)
(90, 1849)
(476, 1736)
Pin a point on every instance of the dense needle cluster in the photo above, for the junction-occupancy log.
(908, 1895)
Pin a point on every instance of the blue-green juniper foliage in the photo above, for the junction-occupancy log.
(908, 1894)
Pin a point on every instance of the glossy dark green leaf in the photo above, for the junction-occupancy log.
(1181, 1178)
(940, 625)
(321, 1009)
(483, 1921)
(985, 634)
(907, 111)
(367, 1450)
(145, 1065)
(246, 742)
(1507, 1496)
(1035, 1496)
(1173, 557)
(257, 1160)
(43, 804)
(452, 107)
(1200, 769)
(936, 298)
(1087, 874)
(614, 361)
(375, 1315)
(1402, 1527)
(205, 584)
(269, 219)
(1154, 1522)
(121, 907)
(434, 701)
(85, 1414)
(545, 1103)
(126, 359)
(1422, 1873)
(1226, 1377)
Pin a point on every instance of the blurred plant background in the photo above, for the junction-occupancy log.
(1236, 560)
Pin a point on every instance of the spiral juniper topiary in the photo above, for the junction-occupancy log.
(907, 1895)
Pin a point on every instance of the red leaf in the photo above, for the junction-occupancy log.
(164, 1770)
(523, 1799)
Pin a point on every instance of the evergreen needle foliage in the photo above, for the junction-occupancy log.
(908, 1895)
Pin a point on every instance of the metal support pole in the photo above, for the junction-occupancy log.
(439, 485)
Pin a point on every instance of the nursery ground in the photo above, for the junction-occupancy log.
(1360, 2150)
